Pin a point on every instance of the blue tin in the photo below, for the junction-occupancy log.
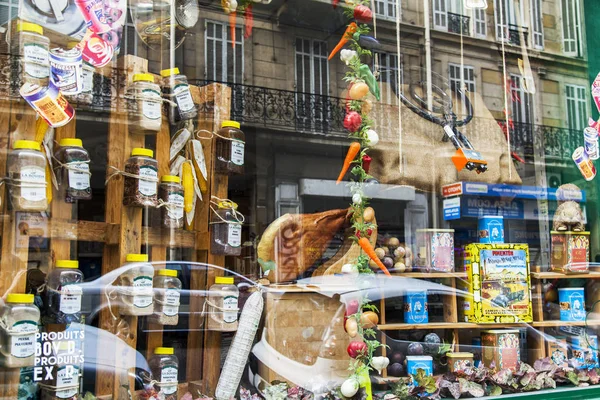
(491, 229)
(413, 363)
(415, 307)
(476, 350)
(585, 350)
(572, 304)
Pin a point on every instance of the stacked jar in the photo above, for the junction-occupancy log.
(64, 380)
(164, 366)
(144, 105)
(63, 293)
(226, 229)
(19, 319)
(72, 170)
(135, 286)
(175, 88)
(141, 181)
(32, 48)
(167, 288)
(223, 305)
(171, 195)
(27, 177)
(230, 145)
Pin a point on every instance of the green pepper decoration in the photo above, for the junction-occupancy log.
(366, 75)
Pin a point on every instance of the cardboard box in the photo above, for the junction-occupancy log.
(501, 349)
(498, 279)
(570, 252)
(435, 250)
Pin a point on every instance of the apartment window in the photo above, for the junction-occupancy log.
(388, 77)
(507, 23)
(576, 107)
(312, 85)
(522, 102)
(464, 81)
(479, 23)
(537, 31)
(440, 14)
(385, 8)
(452, 16)
(571, 27)
(9, 10)
(224, 62)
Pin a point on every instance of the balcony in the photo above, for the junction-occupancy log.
(459, 24)
(514, 35)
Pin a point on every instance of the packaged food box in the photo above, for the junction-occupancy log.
(570, 252)
(498, 279)
(584, 349)
(413, 363)
(435, 250)
(501, 349)
(572, 304)
(557, 350)
(458, 362)
(491, 229)
(415, 307)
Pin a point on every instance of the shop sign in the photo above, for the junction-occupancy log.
(451, 209)
(476, 207)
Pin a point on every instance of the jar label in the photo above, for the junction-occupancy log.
(171, 307)
(142, 291)
(33, 181)
(148, 188)
(234, 235)
(175, 210)
(79, 177)
(183, 98)
(35, 59)
(230, 303)
(88, 80)
(151, 109)
(67, 377)
(168, 375)
(23, 344)
(237, 152)
(67, 393)
(70, 299)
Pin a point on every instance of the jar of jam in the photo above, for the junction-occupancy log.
(230, 145)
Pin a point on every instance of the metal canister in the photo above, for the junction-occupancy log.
(66, 70)
(94, 15)
(585, 165)
(590, 136)
(49, 103)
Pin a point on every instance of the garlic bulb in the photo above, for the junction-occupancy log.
(372, 137)
(350, 269)
(380, 363)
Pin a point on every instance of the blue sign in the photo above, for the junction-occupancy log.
(477, 207)
(501, 190)
(451, 209)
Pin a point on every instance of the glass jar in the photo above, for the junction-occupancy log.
(141, 191)
(176, 89)
(230, 144)
(32, 48)
(226, 230)
(144, 105)
(51, 393)
(63, 294)
(171, 194)
(27, 174)
(223, 305)
(167, 290)
(19, 321)
(66, 362)
(135, 286)
(164, 366)
(73, 171)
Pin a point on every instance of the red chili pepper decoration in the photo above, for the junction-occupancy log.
(249, 21)
(363, 14)
(335, 3)
(352, 121)
(366, 161)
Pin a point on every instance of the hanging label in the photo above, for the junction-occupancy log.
(80, 179)
(234, 235)
(70, 299)
(67, 393)
(142, 291)
(230, 303)
(148, 188)
(151, 109)
(67, 377)
(183, 97)
(88, 80)
(23, 344)
(175, 210)
(32, 183)
(237, 152)
(168, 375)
(35, 60)
(171, 307)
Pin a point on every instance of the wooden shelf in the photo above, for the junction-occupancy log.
(542, 324)
(448, 325)
(558, 275)
(431, 275)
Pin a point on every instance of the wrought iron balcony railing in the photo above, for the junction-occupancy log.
(514, 34)
(458, 23)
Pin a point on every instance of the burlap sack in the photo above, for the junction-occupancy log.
(427, 163)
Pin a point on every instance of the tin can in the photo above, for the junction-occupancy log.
(459, 362)
(49, 103)
(584, 349)
(435, 249)
(66, 70)
(570, 252)
(590, 136)
(557, 350)
(94, 15)
(491, 229)
(95, 50)
(585, 165)
(414, 363)
(501, 349)
(572, 304)
(415, 307)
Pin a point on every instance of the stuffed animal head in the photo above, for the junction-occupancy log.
(568, 192)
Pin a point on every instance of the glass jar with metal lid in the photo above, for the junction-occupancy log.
(223, 305)
(27, 177)
(226, 229)
(63, 293)
(230, 144)
(164, 366)
(176, 89)
(135, 286)
(72, 170)
(141, 183)
(32, 48)
(19, 319)
(170, 195)
(144, 105)
(167, 288)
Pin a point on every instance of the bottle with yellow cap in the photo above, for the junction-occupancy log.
(27, 175)
(144, 105)
(176, 89)
(141, 187)
(223, 305)
(63, 293)
(32, 49)
(170, 193)
(72, 170)
(19, 320)
(230, 149)
(164, 366)
(136, 294)
(167, 291)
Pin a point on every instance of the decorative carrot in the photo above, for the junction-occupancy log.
(350, 156)
(232, 22)
(249, 20)
(368, 249)
(350, 30)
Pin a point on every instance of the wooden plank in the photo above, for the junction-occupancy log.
(431, 275)
(450, 303)
(540, 324)
(558, 275)
(537, 301)
(447, 325)
(158, 237)
(5, 107)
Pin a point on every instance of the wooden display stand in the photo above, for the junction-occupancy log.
(123, 232)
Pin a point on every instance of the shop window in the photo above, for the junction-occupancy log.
(571, 27)
(224, 62)
(388, 76)
(537, 24)
(385, 8)
(576, 107)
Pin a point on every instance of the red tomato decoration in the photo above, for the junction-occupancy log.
(352, 121)
(363, 13)
(356, 349)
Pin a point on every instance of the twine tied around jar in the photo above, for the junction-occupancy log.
(149, 98)
(214, 307)
(120, 328)
(129, 175)
(226, 204)
(171, 207)
(12, 332)
(71, 167)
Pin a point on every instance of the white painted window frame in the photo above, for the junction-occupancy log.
(225, 52)
(577, 104)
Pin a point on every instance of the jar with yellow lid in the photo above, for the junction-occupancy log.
(72, 170)
(134, 289)
(226, 229)
(144, 105)
(223, 305)
(167, 291)
(176, 89)
(164, 366)
(19, 320)
(31, 49)
(230, 144)
(170, 196)
(26, 170)
(141, 181)
(63, 293)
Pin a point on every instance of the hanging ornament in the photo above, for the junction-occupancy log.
(366, 160)
(380, 363)
(476, 4)
(352, 121)
(372, 138)
(358, 90)
(366, 75)
(347, 55)
(349, 387)
(363, 14)
(357, 198)
(367, 42)
(350, 30)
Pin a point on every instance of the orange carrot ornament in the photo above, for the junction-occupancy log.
(368, 249)
(350, 30)
(350, 156)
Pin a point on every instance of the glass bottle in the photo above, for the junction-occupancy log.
(63, 294)
(32, 48)
(226, 230)
(176, 89)
(167, 288)
(171, 193)
(19, 321)
(141, 192)
(27, 172)
(164, 366)
(135, 286)
(230, 144)
(73, 176)
(144, 105)
(223, 305)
